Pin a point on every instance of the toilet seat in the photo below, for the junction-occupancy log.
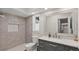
(32, 45)
(29, 46)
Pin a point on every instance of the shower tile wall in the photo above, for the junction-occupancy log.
(11, 39)
(28, 29)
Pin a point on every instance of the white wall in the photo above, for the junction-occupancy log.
(75, 21)
(78, 23)
(51, 24)
(42, 24)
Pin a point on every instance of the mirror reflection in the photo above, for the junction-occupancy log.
(58, 24)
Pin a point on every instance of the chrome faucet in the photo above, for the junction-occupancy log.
(55, 35)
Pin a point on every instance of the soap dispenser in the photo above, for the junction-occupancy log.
(49, 35)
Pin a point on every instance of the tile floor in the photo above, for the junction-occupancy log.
(18, 48)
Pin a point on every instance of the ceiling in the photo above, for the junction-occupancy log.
(25, 12)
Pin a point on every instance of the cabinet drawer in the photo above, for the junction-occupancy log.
(47, 45)
(68, 48)
(42, 49)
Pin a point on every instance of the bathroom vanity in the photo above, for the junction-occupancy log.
(54, 44)
(57, 31)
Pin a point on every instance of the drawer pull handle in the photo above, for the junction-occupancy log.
(53, 45)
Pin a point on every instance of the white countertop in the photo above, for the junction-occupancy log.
(68, 42)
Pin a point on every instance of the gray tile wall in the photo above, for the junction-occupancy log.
(28, 29)
(11, 39)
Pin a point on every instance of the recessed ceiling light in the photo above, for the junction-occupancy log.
(34, 12)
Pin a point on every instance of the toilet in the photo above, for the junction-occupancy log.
(33, 45)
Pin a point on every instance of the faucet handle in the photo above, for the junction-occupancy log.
(56, 35)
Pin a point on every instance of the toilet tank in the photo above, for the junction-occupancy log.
(35, 39)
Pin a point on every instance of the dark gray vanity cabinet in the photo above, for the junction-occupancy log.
(52, 46)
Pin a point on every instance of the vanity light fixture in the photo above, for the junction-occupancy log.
(37, 19)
